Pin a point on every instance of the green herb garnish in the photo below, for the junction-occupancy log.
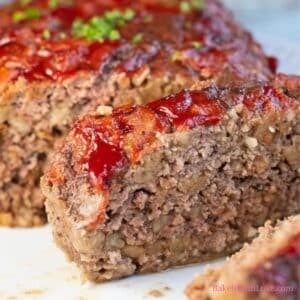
(113, 15)
(197, 45)
(197, 4)
(187, 6)
(102, 27)
(96, 29)
(137, 38)
(28, 14)
(114, 35)
(46, 34)
(53, 4)
(129, 14)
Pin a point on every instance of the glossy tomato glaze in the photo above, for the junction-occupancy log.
(282, 271)
(25, 52)
(105, 147)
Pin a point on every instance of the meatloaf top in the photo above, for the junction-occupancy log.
(104, 147)
(54, 39)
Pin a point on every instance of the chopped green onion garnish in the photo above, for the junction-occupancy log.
(114, 35)
(53, 3)
(185, 6)
(197, 45)
(46, 34)
(102, 27)
(129, 14)
(28, 14)
(137, 38)
(197, 4)
(113, 15)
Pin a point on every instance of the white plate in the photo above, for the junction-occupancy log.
(31, 267)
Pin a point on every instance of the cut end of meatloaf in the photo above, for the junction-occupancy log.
(56, 64)
(271, 260)
(180, 180)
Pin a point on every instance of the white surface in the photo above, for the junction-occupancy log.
(31, 267)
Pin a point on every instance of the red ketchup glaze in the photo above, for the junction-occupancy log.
(293, 248)
(55, 59)
(188, 110)
(100, 151)
(273, 63)
(281, 271)
(25, 52)
(267, 97)
(207, 62)
(67, 61)
(156, 21)
(21, 44)
(105, 160)
(139, 58)
(105, 144)
(66, 15)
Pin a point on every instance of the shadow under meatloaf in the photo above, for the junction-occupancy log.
(177, 181)
(49, 76)
(267, 268)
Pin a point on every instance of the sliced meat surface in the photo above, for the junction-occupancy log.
(179, 180)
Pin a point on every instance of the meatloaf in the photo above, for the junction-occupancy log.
(60, 59)
(267, 269)
(179, 180)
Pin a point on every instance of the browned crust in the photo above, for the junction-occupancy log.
(290, 82)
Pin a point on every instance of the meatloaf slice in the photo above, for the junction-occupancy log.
(180, 180)
(61, 59)
(267, 269)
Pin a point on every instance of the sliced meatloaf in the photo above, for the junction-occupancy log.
(267, 269)
(60, 59)
(176, 181)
